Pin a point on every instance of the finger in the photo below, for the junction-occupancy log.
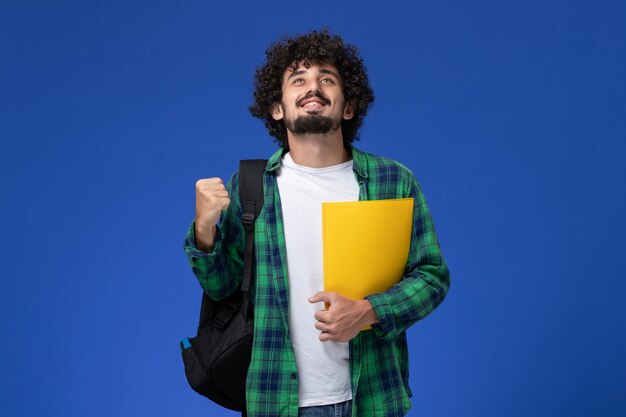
(203, 182)
(326, 337)
(322, 315)
(321, 326)
(215, 187)
(224, 203)
(210, 188)
(212, 201)
(219, 194)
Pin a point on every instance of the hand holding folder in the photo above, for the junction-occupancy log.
(366, 245)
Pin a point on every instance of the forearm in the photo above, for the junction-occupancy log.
(218, 271)
(205, 237)
(217, 261)
(411, 300)
(367, 313)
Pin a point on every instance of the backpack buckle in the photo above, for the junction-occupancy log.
(247, 218)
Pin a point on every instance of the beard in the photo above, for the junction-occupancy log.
(312, 124)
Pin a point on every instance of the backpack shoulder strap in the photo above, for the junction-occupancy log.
(251, 197)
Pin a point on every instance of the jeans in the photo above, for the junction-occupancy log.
(333, 410)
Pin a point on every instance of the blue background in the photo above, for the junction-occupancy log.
(510, 113)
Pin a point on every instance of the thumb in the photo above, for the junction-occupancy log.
(320, 296)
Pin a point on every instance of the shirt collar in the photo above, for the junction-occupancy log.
(360, 162)
(358, 158)
(274, 162)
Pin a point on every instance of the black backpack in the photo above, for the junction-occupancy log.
(217, 359)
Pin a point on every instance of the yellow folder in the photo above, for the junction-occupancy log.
(366, 245)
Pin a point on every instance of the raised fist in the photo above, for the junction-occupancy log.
(211, 199)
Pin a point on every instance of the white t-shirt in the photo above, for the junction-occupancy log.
(323, 367)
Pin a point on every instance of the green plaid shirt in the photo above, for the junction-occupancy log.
(378, 358)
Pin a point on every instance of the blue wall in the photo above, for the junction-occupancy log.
(511, 114)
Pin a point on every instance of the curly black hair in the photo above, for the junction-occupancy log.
(315, 47)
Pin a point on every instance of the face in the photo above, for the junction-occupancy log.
(312, 100)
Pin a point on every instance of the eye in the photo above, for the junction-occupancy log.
(327, 81)
(298, 81)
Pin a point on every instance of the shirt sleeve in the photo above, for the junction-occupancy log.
(219, 271)
(426, 279)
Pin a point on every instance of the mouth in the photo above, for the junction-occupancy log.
(312, 105)
(314, 102)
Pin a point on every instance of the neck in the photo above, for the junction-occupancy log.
(318, 151)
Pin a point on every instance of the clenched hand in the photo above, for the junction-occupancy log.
(211, 199)
(344, 318)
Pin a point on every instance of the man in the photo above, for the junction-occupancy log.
(312, 94)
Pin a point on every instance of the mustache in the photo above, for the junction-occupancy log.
(311, 95)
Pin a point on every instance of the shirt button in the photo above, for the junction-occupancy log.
(294, 375)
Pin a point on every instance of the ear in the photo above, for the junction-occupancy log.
(348, 112)
(276, 110)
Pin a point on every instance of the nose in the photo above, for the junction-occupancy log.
(314, 85)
